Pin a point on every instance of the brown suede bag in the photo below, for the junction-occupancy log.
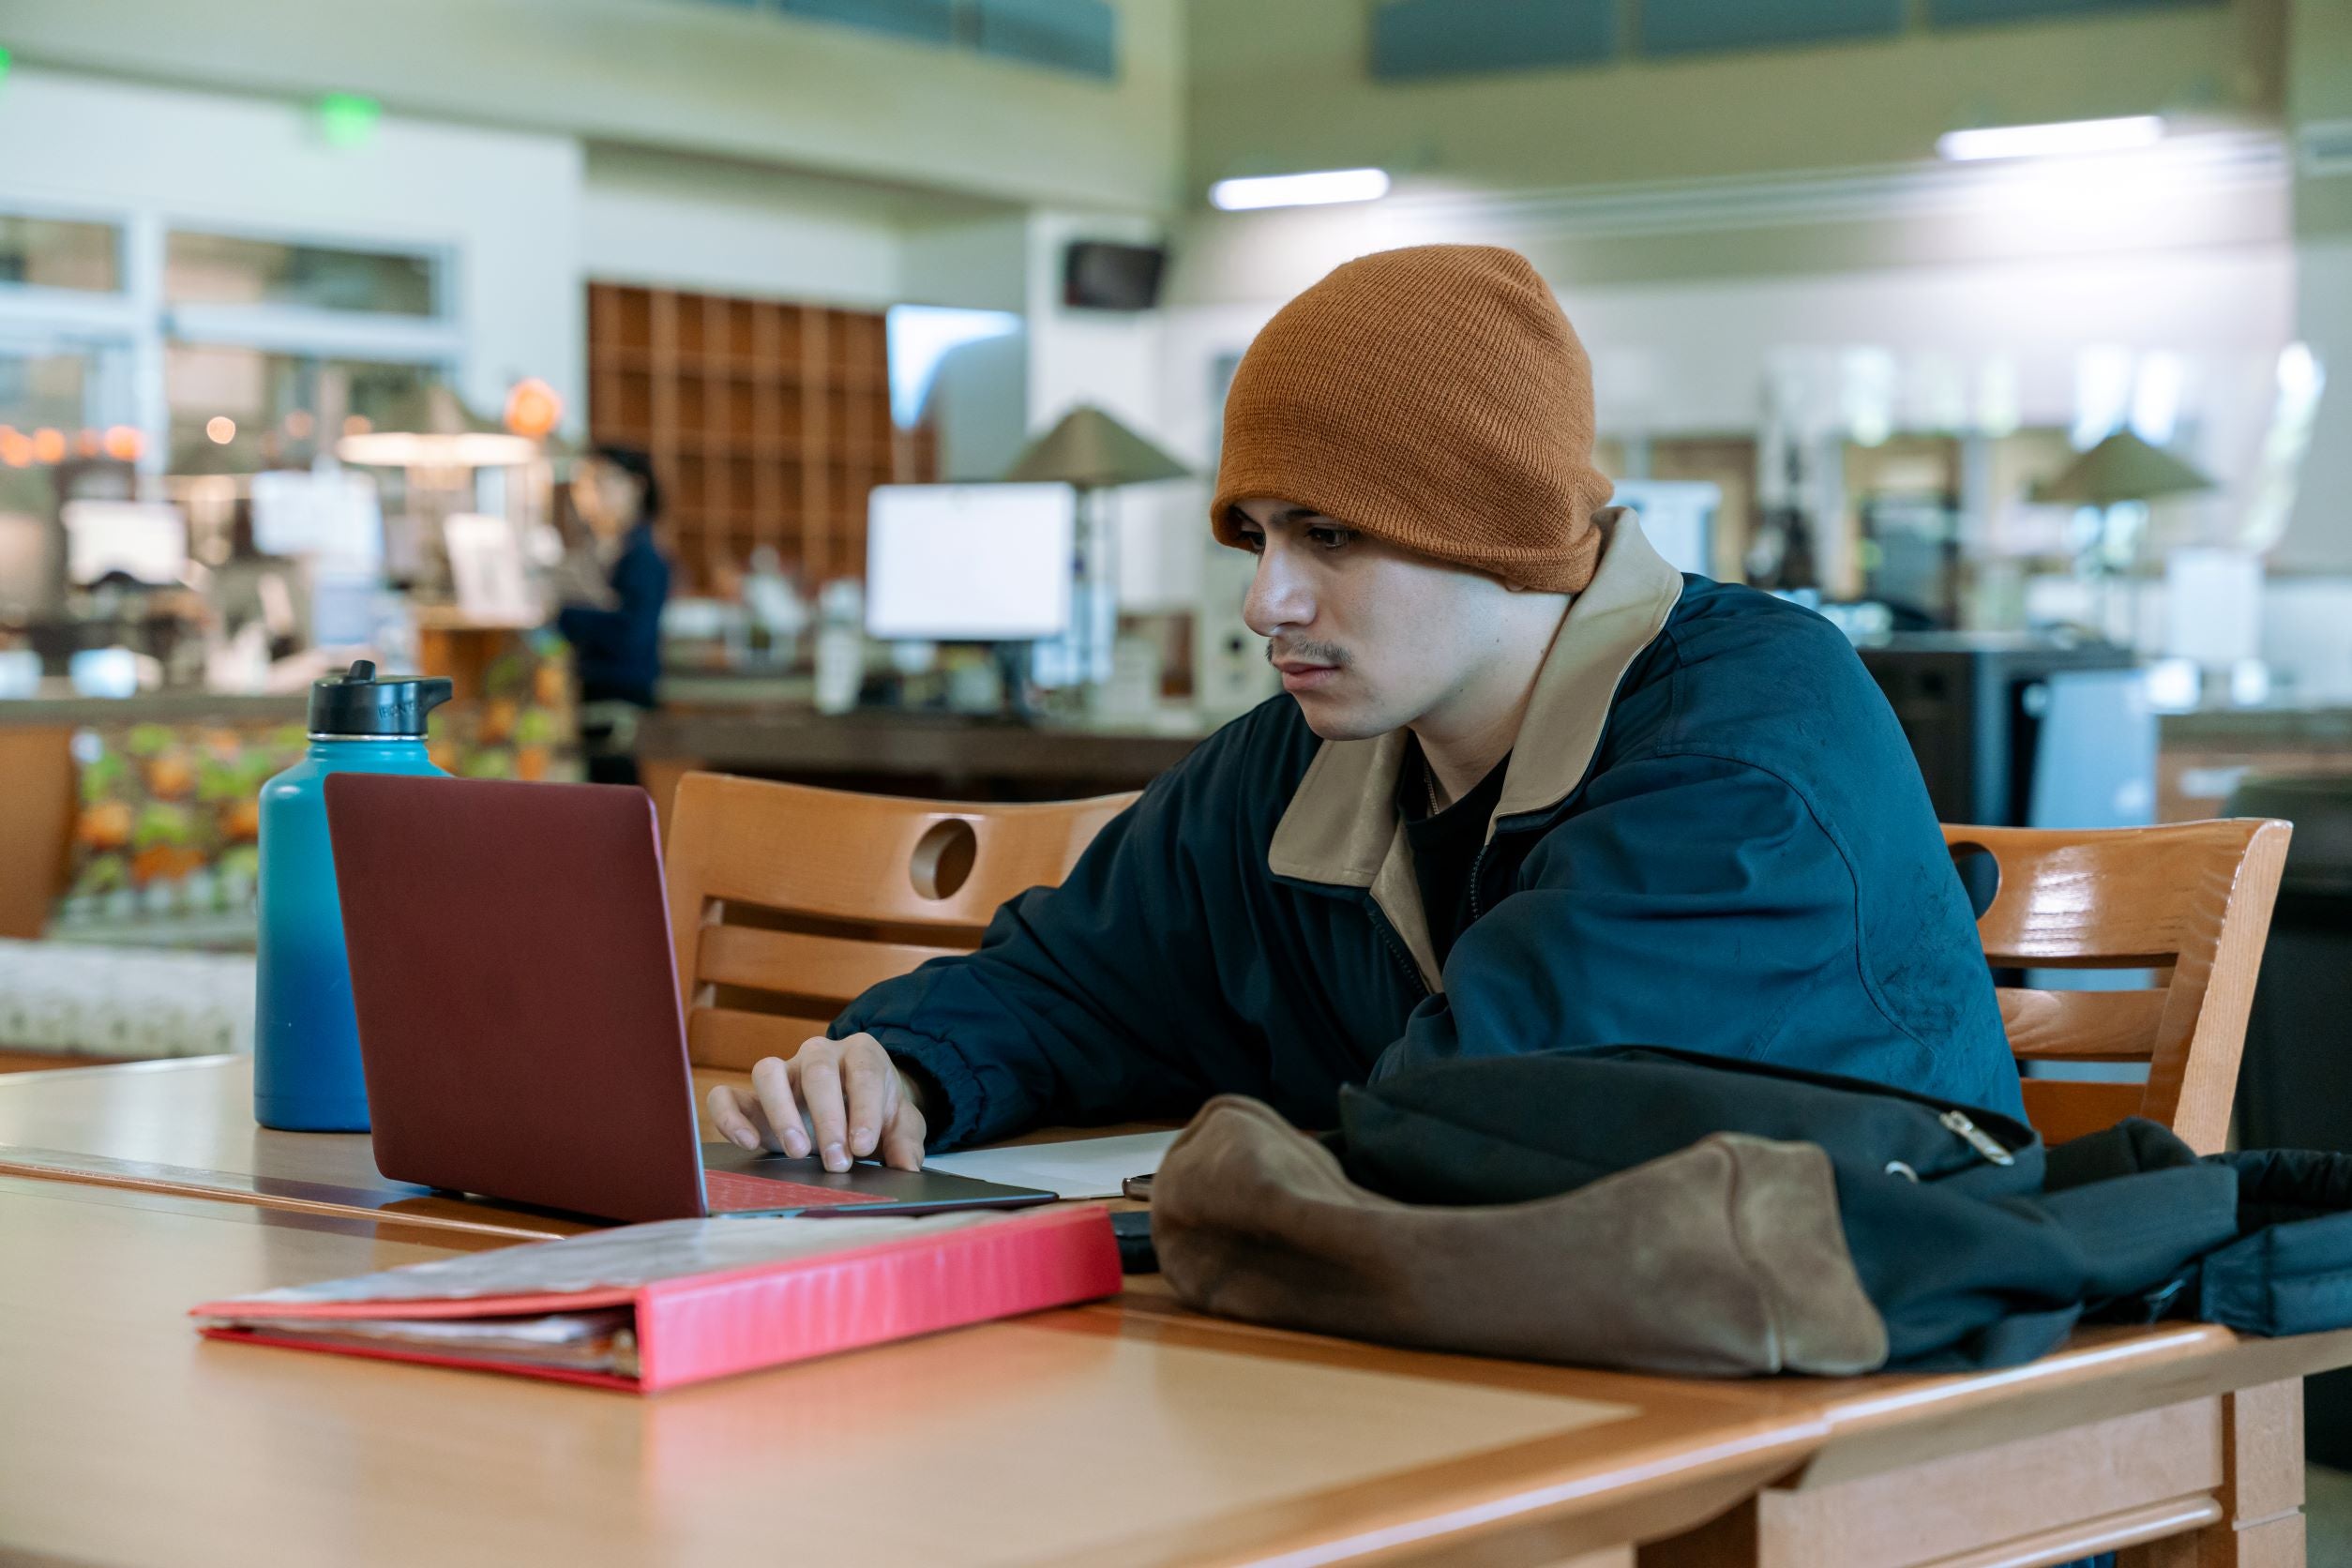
(1722, 1259)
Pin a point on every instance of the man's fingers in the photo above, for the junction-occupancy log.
(773, 1081)
(902, 1140)
(729, 1116)
(819, 1069)
(872, 1084)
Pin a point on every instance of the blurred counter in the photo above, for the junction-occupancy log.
(154, 707)
(2203, 755)
(734, 727)
(136, 819)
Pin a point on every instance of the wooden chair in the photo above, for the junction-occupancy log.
(786, 901)
(2190, 900)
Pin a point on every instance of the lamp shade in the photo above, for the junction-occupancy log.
(2121, 468)
(1093, 451)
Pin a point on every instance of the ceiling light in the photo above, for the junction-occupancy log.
(434, 449)
(1300, 190)
(2049, 141)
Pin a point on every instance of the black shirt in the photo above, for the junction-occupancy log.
(1445, 846)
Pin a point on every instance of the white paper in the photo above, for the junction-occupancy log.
(1080, 1168)
(624, 1258)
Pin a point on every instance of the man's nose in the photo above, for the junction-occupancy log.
(1278, 598)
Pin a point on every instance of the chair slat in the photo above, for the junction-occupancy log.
(2082, 1026)
(834, 967)
(2121, 897)
(934, 871)
(2061, 1109)
(844, 856)
(2191, 900)
(724, 1037)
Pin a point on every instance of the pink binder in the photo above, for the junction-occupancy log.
(652, 1306)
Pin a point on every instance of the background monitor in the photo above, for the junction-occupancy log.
(144, 541)
(1102, 275)
(970, 563)
(1678, 518)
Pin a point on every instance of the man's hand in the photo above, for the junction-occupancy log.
(841, 1098)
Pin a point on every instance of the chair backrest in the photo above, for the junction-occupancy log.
(2189, 900)
(786, 901)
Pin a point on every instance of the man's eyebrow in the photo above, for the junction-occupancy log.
(1288, 514)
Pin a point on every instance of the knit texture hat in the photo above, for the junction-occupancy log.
(1433, 396)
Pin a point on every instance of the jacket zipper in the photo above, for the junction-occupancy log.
(1396, 951)
(1977, 1138)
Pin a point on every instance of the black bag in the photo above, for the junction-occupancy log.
(1976, 1244)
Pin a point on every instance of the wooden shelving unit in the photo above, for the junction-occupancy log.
(768, 422)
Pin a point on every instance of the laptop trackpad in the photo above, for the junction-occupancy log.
(867, 1187)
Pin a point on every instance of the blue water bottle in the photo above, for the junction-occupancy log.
(305, 1042)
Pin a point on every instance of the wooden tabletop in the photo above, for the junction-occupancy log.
(186, 1126)
(1080, 1437)
(1132, 1431)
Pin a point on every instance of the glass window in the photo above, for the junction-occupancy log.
(227, 269)
(43, 391)
(280, 407)
(54, 253)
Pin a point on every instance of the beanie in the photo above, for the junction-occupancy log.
(1432, 396)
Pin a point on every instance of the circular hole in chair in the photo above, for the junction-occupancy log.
(944, 857)
(1980, 874)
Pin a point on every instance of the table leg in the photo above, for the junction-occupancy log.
(2261, 1493)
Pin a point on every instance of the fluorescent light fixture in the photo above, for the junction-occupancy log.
(2066, 136)
(1300, 190)
(430, 449)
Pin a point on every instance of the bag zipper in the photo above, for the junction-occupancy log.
(1977, 1138)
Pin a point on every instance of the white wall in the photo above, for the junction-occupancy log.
(1113, 360)
(2319, 532)
(731, 228)
(735, 81)
(2005, 280)
(505, 205)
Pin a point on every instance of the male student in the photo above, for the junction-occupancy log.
(1529, 788)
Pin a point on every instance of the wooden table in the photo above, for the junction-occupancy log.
(1082, 1437)
(1275, 1443)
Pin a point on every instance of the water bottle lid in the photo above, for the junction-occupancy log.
(357, 704)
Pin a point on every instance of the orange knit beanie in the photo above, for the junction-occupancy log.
(1433, 396)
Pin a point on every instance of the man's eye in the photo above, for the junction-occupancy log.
(1253, 542)
(1331, 539)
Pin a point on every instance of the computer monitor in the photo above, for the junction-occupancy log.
(970, 563)
(144, 541)
(1678, 518)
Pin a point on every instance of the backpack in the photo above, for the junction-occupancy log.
(1664, 1210)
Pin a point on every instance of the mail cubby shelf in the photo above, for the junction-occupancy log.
(767, 421)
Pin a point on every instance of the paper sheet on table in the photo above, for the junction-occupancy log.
(1080, 1168)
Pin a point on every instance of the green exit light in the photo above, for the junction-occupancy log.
(7, 60)
(347, 119)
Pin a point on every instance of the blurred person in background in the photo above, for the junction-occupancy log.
(614, 626)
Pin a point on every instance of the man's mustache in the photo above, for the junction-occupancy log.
(1332, 654)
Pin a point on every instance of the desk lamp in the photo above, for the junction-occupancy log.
(1092, 452)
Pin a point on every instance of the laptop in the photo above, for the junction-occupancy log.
(518, 1016)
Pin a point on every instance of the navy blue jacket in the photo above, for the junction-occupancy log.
(617, 651)
(1712, 836)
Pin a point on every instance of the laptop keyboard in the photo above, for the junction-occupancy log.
(725, 1192)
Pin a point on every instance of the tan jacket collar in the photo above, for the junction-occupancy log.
(1342, 829)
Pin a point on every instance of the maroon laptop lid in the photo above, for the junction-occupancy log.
(516, 995)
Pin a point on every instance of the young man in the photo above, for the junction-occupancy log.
(1529, 788)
